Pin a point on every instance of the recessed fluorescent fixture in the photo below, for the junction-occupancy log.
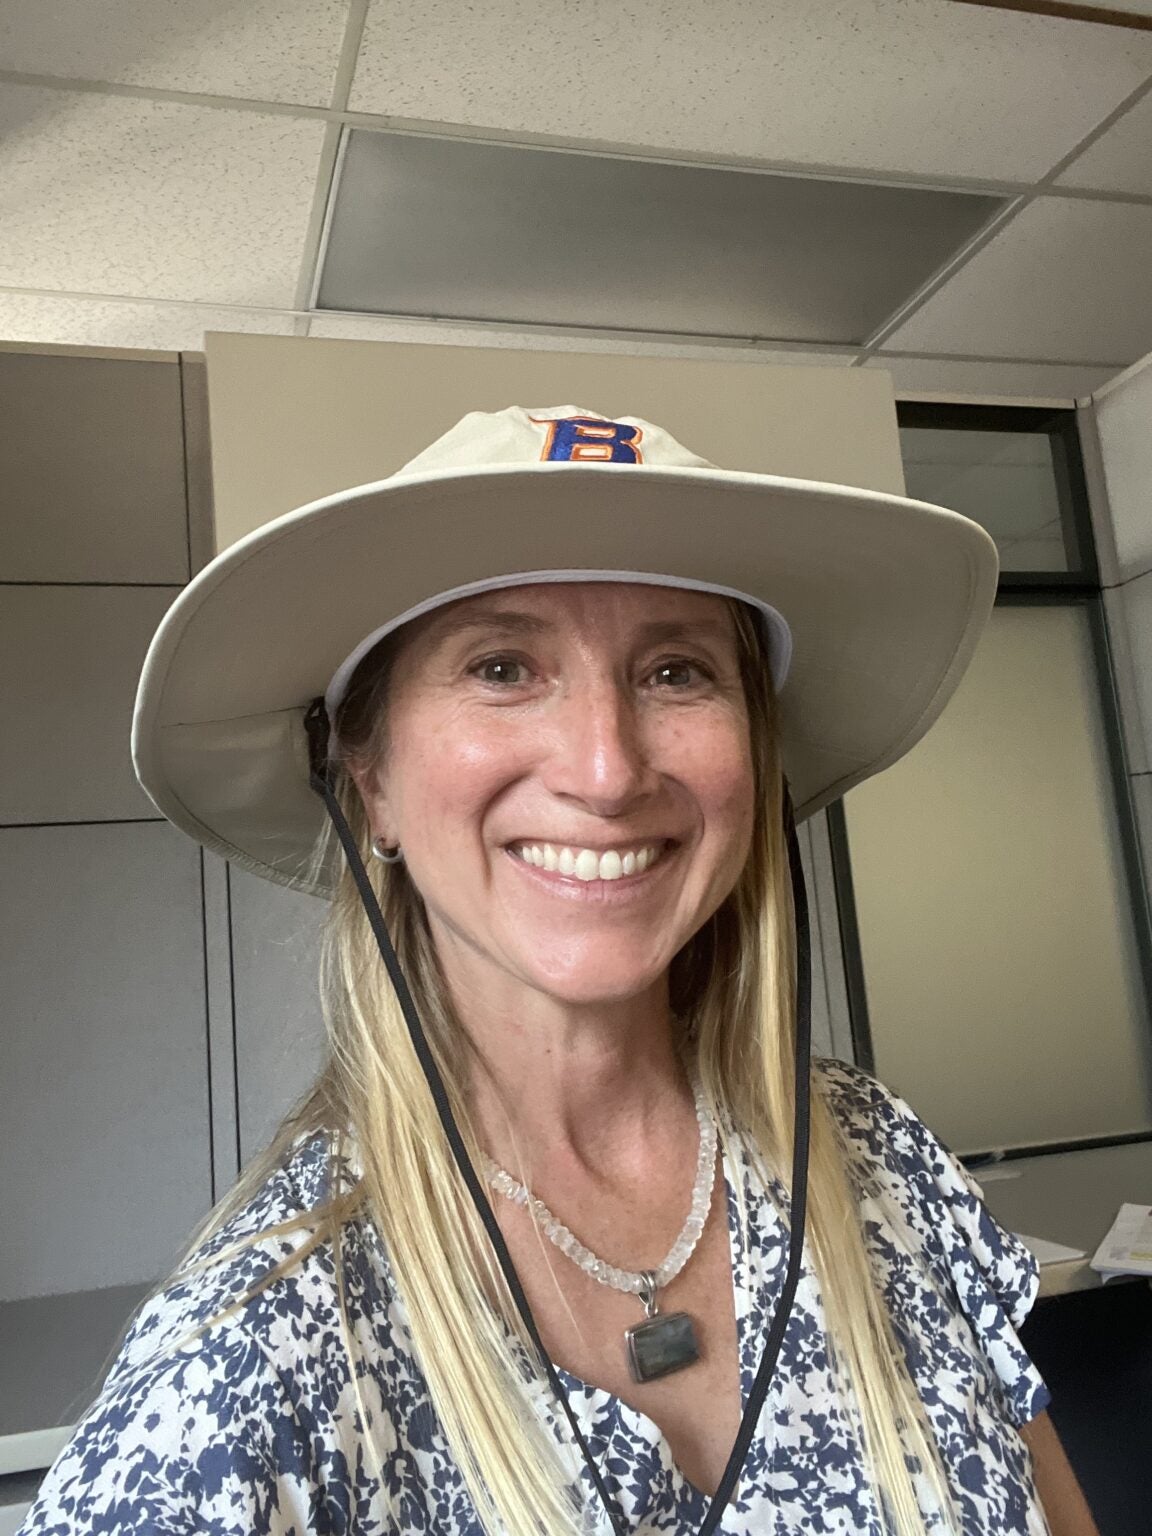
(455, 229)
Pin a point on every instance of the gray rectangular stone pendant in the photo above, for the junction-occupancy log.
(661, 1345)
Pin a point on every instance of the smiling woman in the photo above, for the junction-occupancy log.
(571, 1236)
(568, 725)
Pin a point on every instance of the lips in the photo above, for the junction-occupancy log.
(588, 864)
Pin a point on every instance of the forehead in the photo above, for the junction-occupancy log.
(626, 610)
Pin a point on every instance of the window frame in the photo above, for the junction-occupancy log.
(1080, 587)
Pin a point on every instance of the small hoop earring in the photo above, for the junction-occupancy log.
(387, 855)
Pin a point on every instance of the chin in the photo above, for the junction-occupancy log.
(592, 986)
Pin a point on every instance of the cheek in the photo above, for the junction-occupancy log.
(450, 773)
(714, 761)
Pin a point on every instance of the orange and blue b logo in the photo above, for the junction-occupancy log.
(591, 440)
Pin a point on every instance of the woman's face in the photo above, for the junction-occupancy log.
(569, 773)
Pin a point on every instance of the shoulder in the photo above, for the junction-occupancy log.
(247, 1273)
(928, 1228)
(231, 1380)
(187, 1438)
(887, 1142)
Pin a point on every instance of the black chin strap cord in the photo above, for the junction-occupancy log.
(799, 1186)
(316, 724)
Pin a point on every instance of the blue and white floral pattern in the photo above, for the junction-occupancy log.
(251, 1428)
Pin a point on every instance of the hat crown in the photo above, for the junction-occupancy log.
(558, 434)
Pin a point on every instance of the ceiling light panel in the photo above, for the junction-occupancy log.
(502, 233)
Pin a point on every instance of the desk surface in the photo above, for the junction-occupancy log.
(1068, 1197)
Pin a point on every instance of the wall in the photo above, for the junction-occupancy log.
(106, 1150)
(161, 1011)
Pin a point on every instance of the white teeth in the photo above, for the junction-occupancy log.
(611, 865)
(585, 863)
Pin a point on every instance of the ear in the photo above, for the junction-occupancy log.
(369, 782)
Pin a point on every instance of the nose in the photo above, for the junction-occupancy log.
(599, 757)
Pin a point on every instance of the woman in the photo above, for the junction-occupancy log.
(569, 1237)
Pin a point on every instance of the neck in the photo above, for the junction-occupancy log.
(559, 1084)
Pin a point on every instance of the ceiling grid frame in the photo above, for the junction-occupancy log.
(1001, 220)
(327, 174)
(337, 117)
(609, 149)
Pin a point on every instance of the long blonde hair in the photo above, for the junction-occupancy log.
(734, 986)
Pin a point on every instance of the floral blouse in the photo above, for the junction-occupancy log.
(251, 1429)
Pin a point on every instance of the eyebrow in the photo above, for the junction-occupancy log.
(450, 626)
(656, 632)
(660, 631)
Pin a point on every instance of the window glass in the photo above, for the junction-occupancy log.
(1012, 483)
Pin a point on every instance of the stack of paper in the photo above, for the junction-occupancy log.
(1127, 1250)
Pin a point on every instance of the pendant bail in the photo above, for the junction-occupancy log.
(647, 1292)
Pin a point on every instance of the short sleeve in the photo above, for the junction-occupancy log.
(938, 1210)
(200, 1441)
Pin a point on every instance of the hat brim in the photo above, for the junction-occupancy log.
(885, 597)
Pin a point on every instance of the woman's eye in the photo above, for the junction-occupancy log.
(678, 674)
(504, 670)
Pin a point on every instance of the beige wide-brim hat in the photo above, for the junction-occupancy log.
(873, 606)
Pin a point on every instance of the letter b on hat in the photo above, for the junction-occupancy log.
(592, 440)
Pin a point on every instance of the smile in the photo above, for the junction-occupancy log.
(590, 863)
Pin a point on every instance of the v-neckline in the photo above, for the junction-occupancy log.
(598, 1411)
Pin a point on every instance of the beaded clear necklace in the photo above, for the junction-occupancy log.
(666, 1342)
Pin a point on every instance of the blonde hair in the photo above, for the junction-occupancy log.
(734, 986)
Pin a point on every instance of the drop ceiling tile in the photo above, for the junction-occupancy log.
(1121, 159)
(377, 328)
(270, 50)
(66, 320)
(111, 194)
(1066, 280)
(921, 86)
(963, 376)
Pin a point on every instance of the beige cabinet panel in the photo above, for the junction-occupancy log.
(104, 1132)
(91, 470)
(295, 418)
(73, 657)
